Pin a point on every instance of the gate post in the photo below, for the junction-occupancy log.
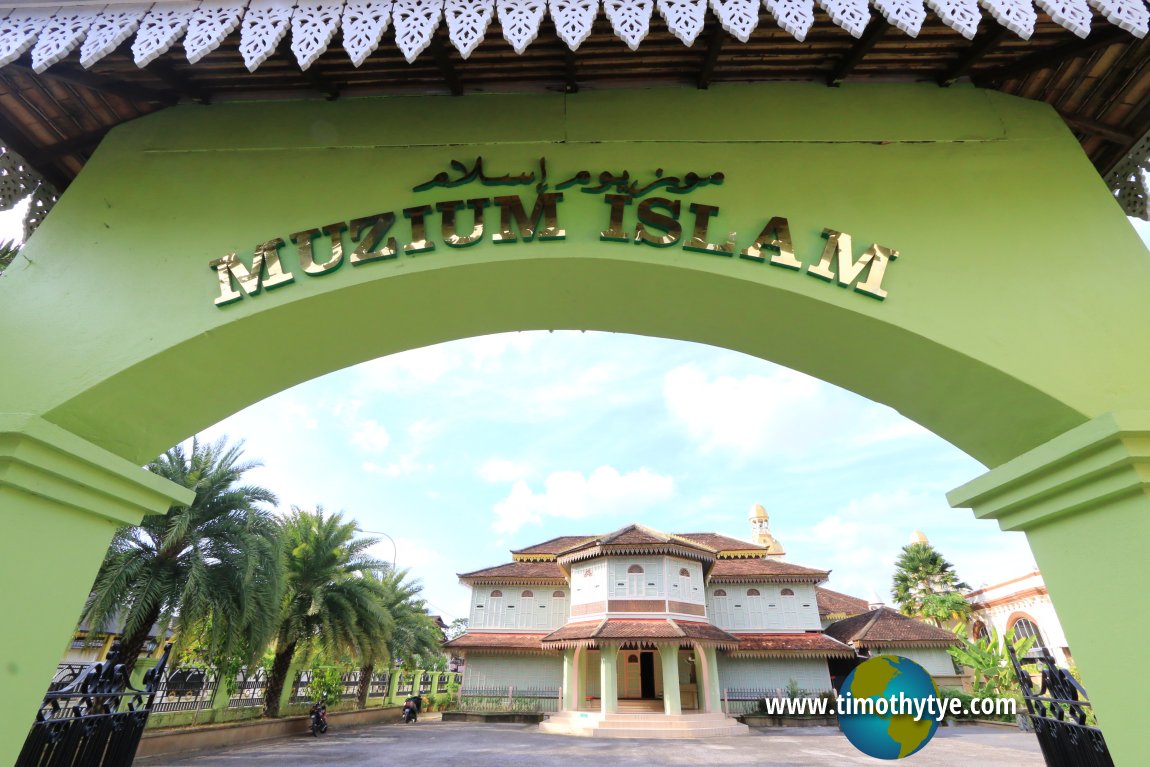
(1083, 500)
(61, 500)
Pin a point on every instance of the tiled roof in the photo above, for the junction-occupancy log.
(635, 534)
(721, 542)
(731, 569)
(793, 643)
(519, 570)
(884, 627)
(478, 640)
(639, 629)
(555, 545)
(836, 603)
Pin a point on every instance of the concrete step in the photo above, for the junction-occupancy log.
(699, 732)
(652, 726)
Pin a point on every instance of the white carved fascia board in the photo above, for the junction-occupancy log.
(18, 181)
(1128, 180)
(53, 31)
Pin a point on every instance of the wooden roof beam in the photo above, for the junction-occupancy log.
(714, 48)
(446, 67)
(858, 52)
(15, 139)
(66, 73)
(572, 84)
(1054, 55)
(974, 54)
(166, 73)
(1095, 128)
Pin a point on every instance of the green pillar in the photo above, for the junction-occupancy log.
(1083, 499)
(570, 700)
(61, 500)
(608, 679)
(393, 685)
(669, 655)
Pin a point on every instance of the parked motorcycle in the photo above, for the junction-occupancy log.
(411, 709)
(319, 716)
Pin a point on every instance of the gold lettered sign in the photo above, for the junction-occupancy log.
(658, 221)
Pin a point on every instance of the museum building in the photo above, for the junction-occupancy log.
(641, 620)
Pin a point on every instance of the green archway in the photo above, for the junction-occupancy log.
(1010, 327)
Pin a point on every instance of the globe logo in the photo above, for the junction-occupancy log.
(875, 689)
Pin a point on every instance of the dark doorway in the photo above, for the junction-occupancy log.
(647, 674)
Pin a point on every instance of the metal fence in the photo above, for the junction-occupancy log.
(406, 684)
(445, 680)
(379, 685)
(96, 721)
(738, 700)
(186, 688)
(1058, 712)
(536, 699)
(251, 688)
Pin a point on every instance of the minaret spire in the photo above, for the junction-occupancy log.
(761, 531)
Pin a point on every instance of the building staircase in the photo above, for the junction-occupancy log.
(642, 719)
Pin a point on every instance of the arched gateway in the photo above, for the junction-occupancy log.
(948, 252)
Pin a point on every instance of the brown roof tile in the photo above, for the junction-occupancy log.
(519, 570)
(660, 628)
(885, 627)
(635, 534)
(721, 542)
(731, 569)
(796, 643)
(555, 545)
(478, 640)
(836, 603)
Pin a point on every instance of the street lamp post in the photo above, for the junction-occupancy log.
(394, 548)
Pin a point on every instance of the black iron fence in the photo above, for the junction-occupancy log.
(748, 700)
(95, 721)
(251, 688)
(535, 699)
(186, 688)
(379, 685)
(1058, 713)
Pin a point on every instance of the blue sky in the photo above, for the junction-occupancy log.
(465, 450)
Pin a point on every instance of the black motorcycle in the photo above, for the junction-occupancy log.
(319, 716)
(411, 710)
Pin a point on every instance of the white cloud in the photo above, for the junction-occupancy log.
(496, 470)
(404, 467)
(425, 430)
(410, 371)
(752, 414)
(370, 436)
(570, 495)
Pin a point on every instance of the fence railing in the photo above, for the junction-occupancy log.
(251, 688)
(1058, 713)
(186, 688)
(95, 721)
(746, 700)
(511, 699)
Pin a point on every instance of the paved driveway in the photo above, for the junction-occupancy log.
(429, 743)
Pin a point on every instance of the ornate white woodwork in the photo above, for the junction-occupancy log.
(1073, 15)
(1018, 16)
(415, 22)
(520, 20)
(18, 31)
(851, 15)
(904, 15)
(160, 29)
(105, 32)
(738, 17)
(209, 25)
(573, 19)
(795, 17)
(684, 18)
(59, 37)
(264, 26)
(1130, 15)
(363, 25)
(630, 19)
(960, 15)
(18, 180)
(467, 22)
(313, 25)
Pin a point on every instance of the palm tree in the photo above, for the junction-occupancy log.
(8, 251)
(413, 631)
(925, 584)
(211, 567)
(331, 600)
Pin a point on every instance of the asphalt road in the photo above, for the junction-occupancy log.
(432, 743)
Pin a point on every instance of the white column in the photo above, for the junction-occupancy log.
(608, 683)
(669, 655)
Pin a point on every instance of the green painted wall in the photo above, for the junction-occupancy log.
(1014, 314)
